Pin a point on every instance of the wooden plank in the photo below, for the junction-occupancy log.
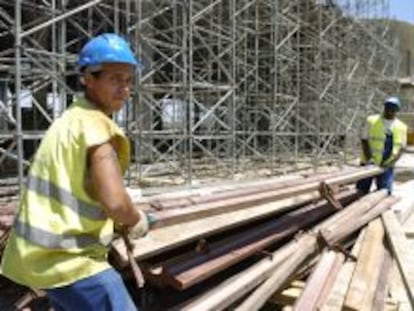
(336, 296)
(163, 239)
(405, 207)
(229, 202)
(316, 281)
(401, 251)
(374, 202)
(190, 268)
(380, 296)
(184, 192)
(289, 295)
(363, 284)
(330, 281)
(397, 291)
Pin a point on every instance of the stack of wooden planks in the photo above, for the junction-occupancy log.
(241, 249)
(302, 242)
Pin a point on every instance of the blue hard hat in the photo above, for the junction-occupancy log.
(393, 101)
(106, 48)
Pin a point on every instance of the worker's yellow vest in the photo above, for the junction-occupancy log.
(376, 138)
(61, 234)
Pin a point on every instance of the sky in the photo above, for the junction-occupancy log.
(402, 10)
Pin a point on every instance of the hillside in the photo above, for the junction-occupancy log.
(405, 33)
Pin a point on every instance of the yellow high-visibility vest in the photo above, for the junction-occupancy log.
(376, 138)
(61, 234)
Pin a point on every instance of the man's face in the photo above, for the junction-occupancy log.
(390, 111)
(111, 87)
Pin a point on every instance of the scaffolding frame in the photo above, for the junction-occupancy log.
(228, 85)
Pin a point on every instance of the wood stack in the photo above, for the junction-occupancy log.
(200, 246)
(305, 243)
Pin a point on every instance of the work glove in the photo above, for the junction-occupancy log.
(141, 228)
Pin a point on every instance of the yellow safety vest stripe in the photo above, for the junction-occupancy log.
(50, 240)
(48, 189)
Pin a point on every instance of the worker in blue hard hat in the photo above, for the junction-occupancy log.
(75, 193)
(383, 140)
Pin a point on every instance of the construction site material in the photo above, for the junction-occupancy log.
(339, 289)
(253, 253)
(239, 199)
(273, 283)
(289, 295)
(320, 281)
(402, 250)
(405, 207)
(397, 292)
(165, 202)
(361, 291)
(382, 285)
(162, 239)
(189, 269)
(276, 271)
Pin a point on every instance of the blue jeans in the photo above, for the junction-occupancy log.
(102, 291)
(383, 181)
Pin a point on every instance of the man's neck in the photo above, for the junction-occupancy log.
(96, 104)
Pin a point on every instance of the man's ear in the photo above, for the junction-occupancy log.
(86, 78)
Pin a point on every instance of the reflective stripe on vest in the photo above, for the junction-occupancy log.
(64, 197)
(57, 241)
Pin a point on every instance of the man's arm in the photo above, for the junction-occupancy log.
(104, 183)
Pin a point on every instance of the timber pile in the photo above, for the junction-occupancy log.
(242, 247)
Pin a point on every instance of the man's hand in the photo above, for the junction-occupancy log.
(141, 228)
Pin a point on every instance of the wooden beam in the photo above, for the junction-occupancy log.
(246, 198)
(317, 280)
(380, 297)
(163, 239)
(191, 268)
(401, 251)
(289, 295)
(361, 291)
(373, 205)
(275, 271)
(330, 281)
(404, 209)
(158, 241)
(337, 295)
(397, 290)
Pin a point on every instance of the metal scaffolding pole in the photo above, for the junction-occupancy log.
(228, 87)
(18, 55)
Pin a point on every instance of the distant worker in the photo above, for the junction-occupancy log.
(383, 140)
(74, 192)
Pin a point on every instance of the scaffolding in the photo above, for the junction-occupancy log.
(227, 85)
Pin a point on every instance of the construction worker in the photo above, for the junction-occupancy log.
(74, 192)
(383, 139)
